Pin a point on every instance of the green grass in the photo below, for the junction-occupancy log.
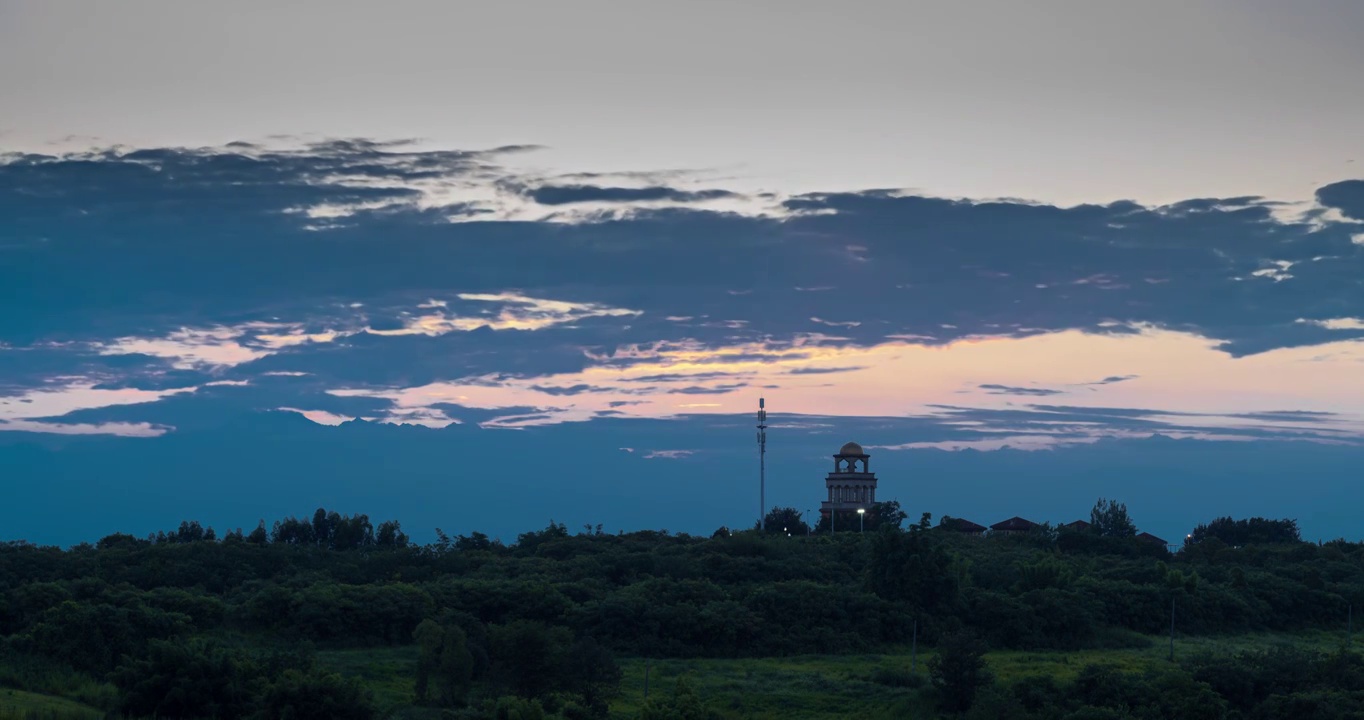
(811, 686)
(20, 705)
(814, 687)
(389, 672)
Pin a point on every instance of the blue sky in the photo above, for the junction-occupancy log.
(263, 261)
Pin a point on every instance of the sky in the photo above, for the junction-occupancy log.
(483, 264)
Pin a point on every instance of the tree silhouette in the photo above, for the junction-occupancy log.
(1109, 519)
(785, 520)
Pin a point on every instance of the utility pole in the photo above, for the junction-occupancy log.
(1172, 629)
(914, 648)
(762, 461)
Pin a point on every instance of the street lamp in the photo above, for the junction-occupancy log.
(861, 519)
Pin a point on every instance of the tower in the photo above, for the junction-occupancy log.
(762, 461)
(849, 487)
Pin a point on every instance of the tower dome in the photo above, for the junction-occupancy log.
(851, 448)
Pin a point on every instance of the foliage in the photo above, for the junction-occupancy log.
(1237, 533)
(1109, 519)
(193, 622)
(958, 670)
(786, 521)
(444, 657)
(682, 704)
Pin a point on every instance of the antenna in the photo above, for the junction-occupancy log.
(762, 461)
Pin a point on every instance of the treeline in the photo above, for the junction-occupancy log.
(538, 621)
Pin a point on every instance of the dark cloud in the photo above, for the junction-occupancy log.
(685, 377)
(478, 416)
(714, 390)
(102, 245)
(1291, 416)
(410, 360)
(568, 194)
(825, 371)
(993, 389)
(1074, 423)
(1114, 379)
(221, 406)
(26, 368)
(571, 389)
(1347, 197)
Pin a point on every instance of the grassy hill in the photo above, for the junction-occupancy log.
(20, 705)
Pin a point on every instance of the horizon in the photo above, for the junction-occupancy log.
(795, 480)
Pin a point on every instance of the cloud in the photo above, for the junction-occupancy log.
(1347, 197)
(1009, 390)
(374, 271)
(715, 390)
(1111, 379)
(824, 370)
(123, 429)
(668, 454)
(1000, 268)
(567, 194)
(1337, 323)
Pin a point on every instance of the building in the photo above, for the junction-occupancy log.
(851, 486)
(1148, 537)
(961, 525)
(1078, 526)
(1012, 525)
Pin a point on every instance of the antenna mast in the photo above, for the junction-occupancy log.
(762, 461)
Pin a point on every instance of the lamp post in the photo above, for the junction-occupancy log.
(861, 519)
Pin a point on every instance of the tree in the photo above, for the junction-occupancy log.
(885, 513)
(1237, 533)
(443, 656)
(430, 637)
(390, 535)
(958, 670)
(473, 541)
(786, 521)
(292, 531)
(194, 679)
(684, 704)
(352, 532)
(913, 567)
(259, 536)
(191, 531)
(316, 695)
(528, 657)
(322, 526)
(456, 666)
(593, 674)
(1109, 519)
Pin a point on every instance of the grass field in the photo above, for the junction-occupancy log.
(20, 705)
(812, 687)
(389, 672)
